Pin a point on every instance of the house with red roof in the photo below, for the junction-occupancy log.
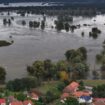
(99, 99)
(16, 103)
(33, 96)
(27, 102)
(72, 90)
(72, 87)
(2, 101)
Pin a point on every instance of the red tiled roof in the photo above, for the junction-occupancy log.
(16, 103)
(74, 84)
(71, 87)
(99, 102)
(26, 102)
(2, 101)
(64, 95)
(98, 99)
(33, 95)
(81, 93)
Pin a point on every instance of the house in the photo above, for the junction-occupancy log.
(98, 101)
(16, 103)
(2, 102)
(33, 96)
(85, 99)
(72, 87)
(72, 90)
(27, 102)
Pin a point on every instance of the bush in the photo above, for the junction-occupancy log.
(22, 84)
(2, 75)
(50, 96)
(61, 86)
(20, 96)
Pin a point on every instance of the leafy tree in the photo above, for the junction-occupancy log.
(81, 85)
(71, 101)
(63, 75)
(30, 82)
(37, 69)
(82, 70)
(2, 75)
(99, 91)
(43, 70)
(50, 96)
(61, 86)
(50, 69)
(20, 97)
(84, 52)
(95, 74)
(62, 65)
(22, 84)
(76, 60)
(71, 54)
(15, 85)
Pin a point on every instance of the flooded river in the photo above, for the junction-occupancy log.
(34, 44)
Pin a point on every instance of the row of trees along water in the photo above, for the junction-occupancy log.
(74, 67)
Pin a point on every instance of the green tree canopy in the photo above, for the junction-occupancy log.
(2, 75)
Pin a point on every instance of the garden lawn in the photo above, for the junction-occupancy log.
(49, 86)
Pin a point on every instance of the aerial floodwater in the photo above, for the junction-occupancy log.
(34, 44)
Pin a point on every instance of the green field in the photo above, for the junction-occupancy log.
(93, 82)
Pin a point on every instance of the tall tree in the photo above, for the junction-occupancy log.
(2, 75)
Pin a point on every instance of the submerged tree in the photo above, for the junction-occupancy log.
(23, 22)
(42, 25)
(67, 26)
(4, 21)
